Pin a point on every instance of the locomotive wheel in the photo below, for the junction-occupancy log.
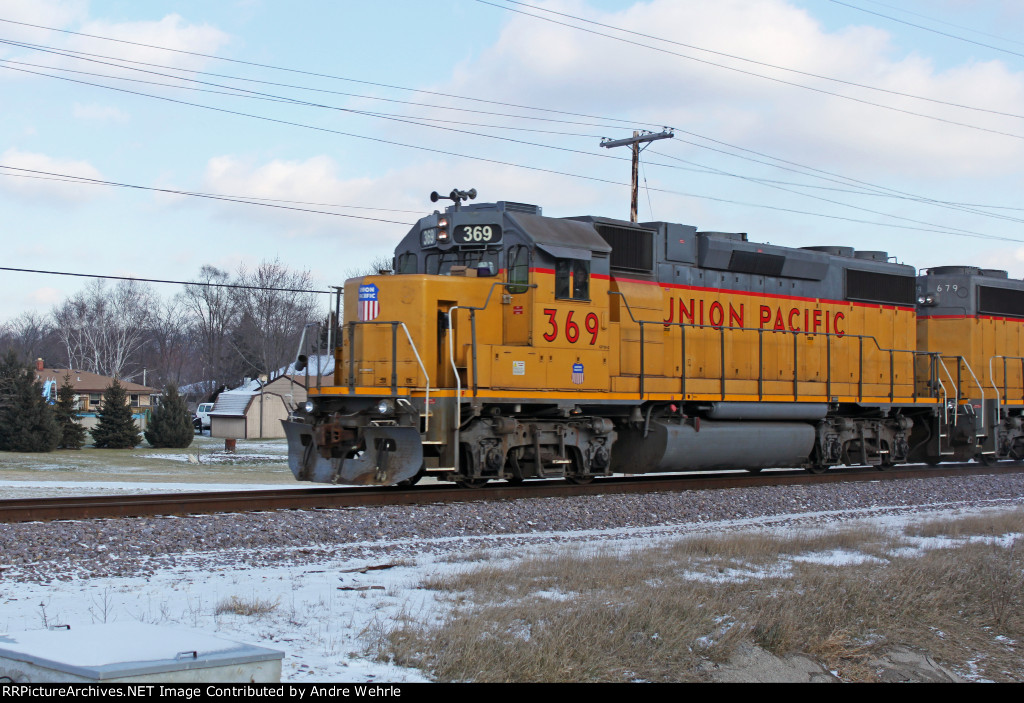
(471, 482)
(579, 480)
(933, 460)
(816, 468)
(986, 459)
(754, 471)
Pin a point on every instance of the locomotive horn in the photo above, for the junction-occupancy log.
(472, 193)
(434, 197)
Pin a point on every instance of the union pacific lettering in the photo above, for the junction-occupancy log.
(695, 311)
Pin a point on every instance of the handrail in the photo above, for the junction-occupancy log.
(956, 388)
(721, 329)
(451, 353)
(945, 408)
(981, 389)
(394, 359)
(995, 386)
(992, 376)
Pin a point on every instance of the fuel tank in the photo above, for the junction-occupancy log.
(695, 445)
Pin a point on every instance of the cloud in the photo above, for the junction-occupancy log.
(399, 196)
(546, 64)
(60, 14)
(99, 113)
(36, 183)
(171, 32)
(45, 297)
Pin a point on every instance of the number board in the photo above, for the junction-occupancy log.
(476, 234)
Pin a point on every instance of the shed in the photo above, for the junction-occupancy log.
(255, 411)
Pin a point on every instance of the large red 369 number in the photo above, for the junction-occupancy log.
(572, 330)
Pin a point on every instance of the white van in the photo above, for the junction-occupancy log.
(201, 419)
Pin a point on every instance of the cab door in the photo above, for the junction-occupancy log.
(517, 300)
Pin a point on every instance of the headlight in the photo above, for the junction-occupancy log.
(308, 407)
(385, 407)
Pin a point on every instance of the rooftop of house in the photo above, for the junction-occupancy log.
(86, 382)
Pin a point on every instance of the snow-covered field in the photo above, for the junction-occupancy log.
(319, 599)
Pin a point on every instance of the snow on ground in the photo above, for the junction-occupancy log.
(321, 613)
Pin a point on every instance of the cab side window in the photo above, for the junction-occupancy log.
(518, 269)
(572, 279)
(407, 263)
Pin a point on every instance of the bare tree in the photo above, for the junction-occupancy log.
(211, 308)
(272, 320)
(171, 343)
(29, 335)
(103, 330)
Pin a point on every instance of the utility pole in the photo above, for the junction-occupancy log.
(634, 142)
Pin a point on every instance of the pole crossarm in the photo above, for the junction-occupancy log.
(640, 138)
(635, 141)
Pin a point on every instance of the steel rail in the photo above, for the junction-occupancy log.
(146, 505)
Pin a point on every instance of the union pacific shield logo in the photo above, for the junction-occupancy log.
(369, 306)
(577, 373)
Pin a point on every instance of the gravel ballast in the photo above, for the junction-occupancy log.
(43, 552)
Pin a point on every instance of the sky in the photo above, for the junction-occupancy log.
(877, 124)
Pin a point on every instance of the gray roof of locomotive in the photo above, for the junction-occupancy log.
(969, 290)
(678, 254)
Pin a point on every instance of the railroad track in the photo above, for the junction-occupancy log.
(90, 507)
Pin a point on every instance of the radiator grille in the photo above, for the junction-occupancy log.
(754, 262)
(632, 249)
(875, 287)
(1000, 301)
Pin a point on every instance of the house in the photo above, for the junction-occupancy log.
(89, 389)
(255, 409)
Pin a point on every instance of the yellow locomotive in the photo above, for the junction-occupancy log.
(510, 345)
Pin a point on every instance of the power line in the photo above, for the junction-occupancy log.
(756, 62)
(927, 29)
(943, 229)
(826, 175)
(200, 284)
(836, 202)
(209, 196)
(316, 74)
(240, 198)
(756, 75)
(564, 149)
(245, 93)
(948, 24)
(947, 231)
(79, 55)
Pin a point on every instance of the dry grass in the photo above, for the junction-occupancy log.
(973, 525)
(658, 614)
(246, 606)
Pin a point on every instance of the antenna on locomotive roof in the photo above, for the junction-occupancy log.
(457, 196)
(637, 138)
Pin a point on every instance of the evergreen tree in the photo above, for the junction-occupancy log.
(116, 428)
(72, 434)
(27, 423)
(170, 422)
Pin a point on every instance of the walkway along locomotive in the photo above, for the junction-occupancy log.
(510, 345)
